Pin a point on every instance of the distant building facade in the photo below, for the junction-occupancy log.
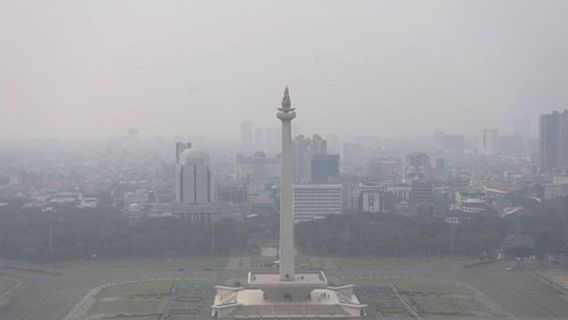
(553, 140)
(257, 167)
(489, 140)
(246, 134)
(371, 199)
(324, 167)
(471, 202)
(193, 182)
(314, 201)
(421, 191)
(305, 149)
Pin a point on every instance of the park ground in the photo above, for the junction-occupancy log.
(433, 288)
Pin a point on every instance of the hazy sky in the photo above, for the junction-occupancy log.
(387, 68)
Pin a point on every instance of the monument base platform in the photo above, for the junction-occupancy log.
(306, 296)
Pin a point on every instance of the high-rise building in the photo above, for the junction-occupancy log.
(319, 145)
(323, 167)
(181, 147)
(371, 198)
(193, 183)
(246, 134)
(489, 141)
(304, 150)
(553, 140)
(421, 192)
(417, 166)
(133, 135)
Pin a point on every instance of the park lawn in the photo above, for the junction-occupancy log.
(191, 264)
(151, 287)
(429, 286)
(446, 305)
(370, 263)
(158, 287)
(127, 306)
(6, 285)
(411, 285)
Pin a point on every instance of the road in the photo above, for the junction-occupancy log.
(49, 297)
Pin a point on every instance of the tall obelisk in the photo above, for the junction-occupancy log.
(286, 114)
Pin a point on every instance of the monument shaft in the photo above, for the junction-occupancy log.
(286, 245)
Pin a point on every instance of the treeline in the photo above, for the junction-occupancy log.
(543, 231)
(84, 234)
(75, 234)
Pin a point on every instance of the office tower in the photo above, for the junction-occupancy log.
(181, 147)
(371, 198)
(421, 192)
(319, 145)
(193, 183)
(246, 134)
(304, 150)
(489, 141)
(133, 135)
(417, 166)
(323, 167)
(553, 140)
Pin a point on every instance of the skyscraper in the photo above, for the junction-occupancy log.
(553, 140)
(246, 134)
(305, 149)
(193, 183)
(489, 141)
(324, 166)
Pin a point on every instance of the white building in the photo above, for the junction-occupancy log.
(193, 182)
(471, 202)
(315, 201)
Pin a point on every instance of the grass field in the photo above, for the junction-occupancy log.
(446, 305)
(357, 263)
(125, 306)
(6, 285)
(410, 285)
(138, 288)
(191, 264)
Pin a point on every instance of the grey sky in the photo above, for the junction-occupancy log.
(387, 68)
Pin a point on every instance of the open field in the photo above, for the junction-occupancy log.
(362, 263)
(145, 288)
(426, 297)
(189, 264)
(6, 285)
(428, 285)
(127, 306)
